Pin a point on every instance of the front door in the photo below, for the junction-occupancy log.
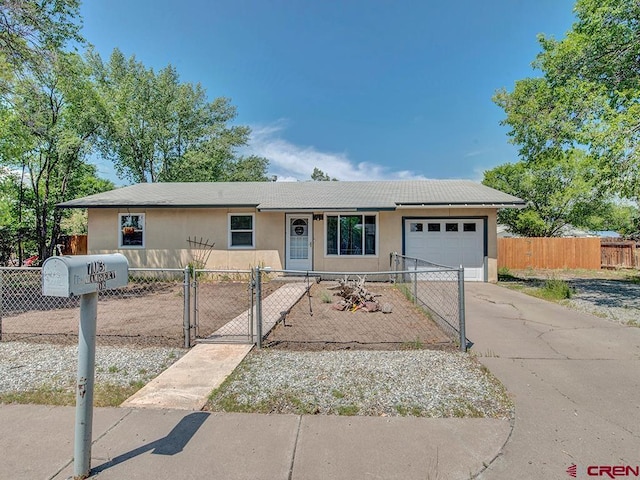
(299, 242)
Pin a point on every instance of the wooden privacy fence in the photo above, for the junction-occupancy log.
(620, 254)
(551, 253)
(74, 245)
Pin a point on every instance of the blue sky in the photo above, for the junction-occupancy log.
(362, 89)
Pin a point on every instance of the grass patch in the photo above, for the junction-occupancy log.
(416, 344)
(551, 289)
(337, 394)
(326, 297)
(554, 290)
(104, 395)
(348, 410)
(408, 411)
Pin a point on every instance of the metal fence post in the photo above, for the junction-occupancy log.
(259, 307)
(1, 302)
(187, 308)
(461, 311)
(252, 285)
(194, 313)
(415, 284)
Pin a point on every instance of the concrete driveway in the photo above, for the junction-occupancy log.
(575, 381)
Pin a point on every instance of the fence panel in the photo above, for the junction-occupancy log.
(307, 312)
(147, 312)
(549, 253)
(619, 254)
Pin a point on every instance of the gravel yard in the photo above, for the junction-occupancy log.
(423, 383)
(615, 300)
(27, 366)
(610, 294)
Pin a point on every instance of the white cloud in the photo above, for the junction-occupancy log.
(292, 162)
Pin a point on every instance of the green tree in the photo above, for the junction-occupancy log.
(588, 96)
(559, 190)
(47, 126)
(31, 32)
(159, 129)
(319, 176)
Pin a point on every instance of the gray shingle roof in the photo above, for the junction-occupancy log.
(300, 195)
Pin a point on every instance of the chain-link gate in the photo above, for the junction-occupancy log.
(222, 306)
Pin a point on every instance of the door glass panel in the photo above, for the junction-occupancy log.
(298, 239)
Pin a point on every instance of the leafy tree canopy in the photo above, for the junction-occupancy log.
(588, 96)
(560, 190)
(160, 129)
(319, 176)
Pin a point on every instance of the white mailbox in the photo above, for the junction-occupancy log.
(79, 274)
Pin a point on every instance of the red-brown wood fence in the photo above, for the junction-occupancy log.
(74, 245)
(551, 253)
(620, 253)
(557, 253)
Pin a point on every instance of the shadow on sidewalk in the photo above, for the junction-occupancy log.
(173, 443)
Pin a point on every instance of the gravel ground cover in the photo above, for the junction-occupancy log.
(27, 366)
(423, 383)
(615, 300)
(610, 294)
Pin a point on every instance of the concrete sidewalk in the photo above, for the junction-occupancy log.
(574, 378)
(37, 443)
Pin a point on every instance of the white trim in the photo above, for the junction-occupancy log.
(350, 213)
(144, 230)
(253, 231)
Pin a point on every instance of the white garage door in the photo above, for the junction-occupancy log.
(448, 241)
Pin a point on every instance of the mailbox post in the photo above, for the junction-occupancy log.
(84, 275)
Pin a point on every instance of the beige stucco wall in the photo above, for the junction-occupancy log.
(167, 231)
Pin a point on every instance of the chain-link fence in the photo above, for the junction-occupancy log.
(414, 305)
(437, 289)
(335, 311)
(148, 311)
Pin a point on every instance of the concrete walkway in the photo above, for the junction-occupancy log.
(274, 308)
(37, 443)
(187, 383)
(575, 380)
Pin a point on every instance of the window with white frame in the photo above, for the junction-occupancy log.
(241, 230)
(351, 234)
(131, 233)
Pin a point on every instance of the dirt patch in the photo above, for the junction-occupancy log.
(313, 324)
(141, 316)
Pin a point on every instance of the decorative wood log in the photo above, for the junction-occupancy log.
(355, 296)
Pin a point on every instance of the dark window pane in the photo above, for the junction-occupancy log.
(132, 230)
(469, 227)
(241, 222)
(351, 235)
(433, 227)
(241, 239)
(451, 227)
(416, 227)
(132, 239)
(332, 235)
(370, 235)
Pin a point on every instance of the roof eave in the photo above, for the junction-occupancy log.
(463, 205)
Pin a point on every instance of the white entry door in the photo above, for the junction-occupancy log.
(299, 243)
